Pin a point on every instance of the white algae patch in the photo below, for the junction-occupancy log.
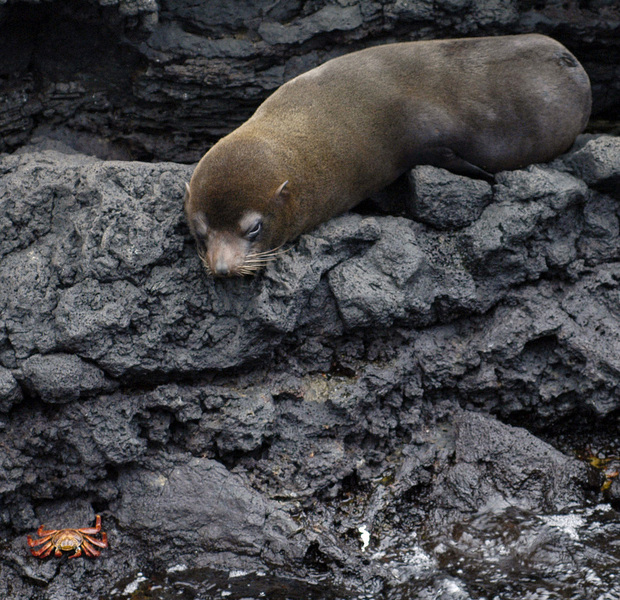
(365, 537)
(132, 587)
(569, 524)
(176, 568)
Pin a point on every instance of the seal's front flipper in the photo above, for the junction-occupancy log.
(448, 159)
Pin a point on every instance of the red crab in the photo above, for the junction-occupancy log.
(65, 540)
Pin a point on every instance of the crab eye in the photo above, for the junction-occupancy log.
(254, 231)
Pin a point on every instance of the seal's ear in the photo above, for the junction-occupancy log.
(282, 194)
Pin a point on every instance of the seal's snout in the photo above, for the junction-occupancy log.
(225, 254)
(221, 269)
(229, 256)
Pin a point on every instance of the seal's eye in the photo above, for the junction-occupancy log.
(254, 231)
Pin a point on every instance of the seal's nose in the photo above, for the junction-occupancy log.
(221, 269)
(225, 254)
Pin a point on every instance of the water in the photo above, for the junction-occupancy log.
(517, 555)
(180, 583)
(507, 554)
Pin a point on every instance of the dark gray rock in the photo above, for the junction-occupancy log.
(104, 431)
(505, 241)
(545, 355)
(396, 279)
(411, 11)
(329, 18)
(10, 392)
(59, 515)
(614, 491)
(444, 200)
(490, 465)
(243, 421)
(214, 15)
(213, 510)
(61, 378)
(598, 164)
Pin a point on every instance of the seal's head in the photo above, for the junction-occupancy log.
(237, 209)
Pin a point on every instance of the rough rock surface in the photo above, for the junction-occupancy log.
(258, 423)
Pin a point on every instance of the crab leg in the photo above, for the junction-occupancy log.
(91, 530)
(32, 542)
(103, 543)
(89, 550)
(43, 532)
(44, 551)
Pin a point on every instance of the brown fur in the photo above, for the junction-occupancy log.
(348, 128)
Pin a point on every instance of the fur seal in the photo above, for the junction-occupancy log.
(331, 137)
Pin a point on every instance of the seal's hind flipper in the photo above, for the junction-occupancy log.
(448, 159)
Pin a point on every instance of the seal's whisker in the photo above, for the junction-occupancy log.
(205, 264)
(264, 257)
(271, 249)
(256, 266)
(253, 263)
(261, 261)
(251, 258)
(273, 252)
